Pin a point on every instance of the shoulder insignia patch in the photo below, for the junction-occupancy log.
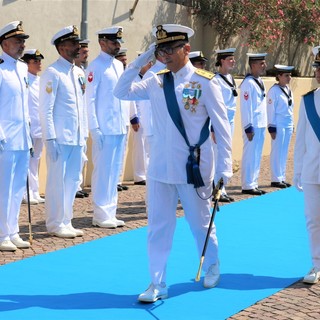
(1, 60)
(309, 92)
(163, 71)
(204, 73)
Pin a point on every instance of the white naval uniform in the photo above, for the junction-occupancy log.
(253, 115)
(307, 164)
(36, 134)
(280, 116)
(14, 128)
(167, 179)
(63, 118)
(109, 114)
(230, 102)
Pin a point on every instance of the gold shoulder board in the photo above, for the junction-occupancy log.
(163, 71)
(309, 92)
(204, 73)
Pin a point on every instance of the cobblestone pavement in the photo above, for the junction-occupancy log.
(299, 301)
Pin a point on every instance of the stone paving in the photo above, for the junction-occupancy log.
(297, 302)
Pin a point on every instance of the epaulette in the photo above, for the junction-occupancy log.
(309, 92)
(163, 71)
(1, 60)
(204, 73)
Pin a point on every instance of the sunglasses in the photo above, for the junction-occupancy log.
(169, 50)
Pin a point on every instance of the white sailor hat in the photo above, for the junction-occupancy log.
(280, 68)
(256, 56)
(12, 29)
(84, 43)
(67, 33)
(34, 54)
(197, 56)
(122, 52)
(316, 53)
(113, 33)
(166, 33)
(225, 52)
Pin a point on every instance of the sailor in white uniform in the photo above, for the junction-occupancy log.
(15, 139)
(196, 95)
(64, 131)
(307, 167)
(254, 123)
(280, 124)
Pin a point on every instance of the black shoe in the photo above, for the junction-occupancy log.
(119, 187)
(262, 191)
(254, 192)
(140, 183)
(86, 194)
(280, 185)
(287, 184)
(123, 187)
(79, 194)
(224, 198)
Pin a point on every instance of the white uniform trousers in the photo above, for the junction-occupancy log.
(140, 156)
(105, 176)
(279, 154)
(34, 165)
(312, 214)
(84, 160)
(162, 206)
(124, 153)
(251, 158)
(13, 177)
(61, 186)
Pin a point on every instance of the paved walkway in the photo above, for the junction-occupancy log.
(298, 301)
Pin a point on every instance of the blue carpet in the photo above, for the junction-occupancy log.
(263, 249)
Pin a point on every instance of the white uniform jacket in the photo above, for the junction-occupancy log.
(14, 115)
(33, 104)
(227, 92)
(307, 146)
(169, 150)
(105, 111)
(253, 104)
(61, 104)
(280, 113)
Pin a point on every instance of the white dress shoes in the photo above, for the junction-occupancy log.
(212, 276)
(37, 197)
(7, 245)
(154, 293)
(312, 277)
(119, 223)
(19, 243)
(104, 224)
(78, 232)
(64, 233)
(32, 201)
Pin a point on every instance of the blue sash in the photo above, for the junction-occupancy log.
(312, 114)
(193, 170)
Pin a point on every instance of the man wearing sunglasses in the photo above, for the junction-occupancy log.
(195, 95)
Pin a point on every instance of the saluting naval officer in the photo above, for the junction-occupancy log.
(196, 96)
(307, 167)
(107, 117)
(33, 58)
(64, 130)
(15, 139)
(280, 124)
(253, 107)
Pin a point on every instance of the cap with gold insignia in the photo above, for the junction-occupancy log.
(13, 29)
(167, 33)
(122, 52)
(84, 43)
(32, 54)
(197, 56)
(256, 56)
(67, 33)
(113, 33)
(316, 53)
(280, 68)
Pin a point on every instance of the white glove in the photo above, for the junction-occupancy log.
(297, 182)
(52, 149)
(2, 143)
(145, 57)
(97, 137)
